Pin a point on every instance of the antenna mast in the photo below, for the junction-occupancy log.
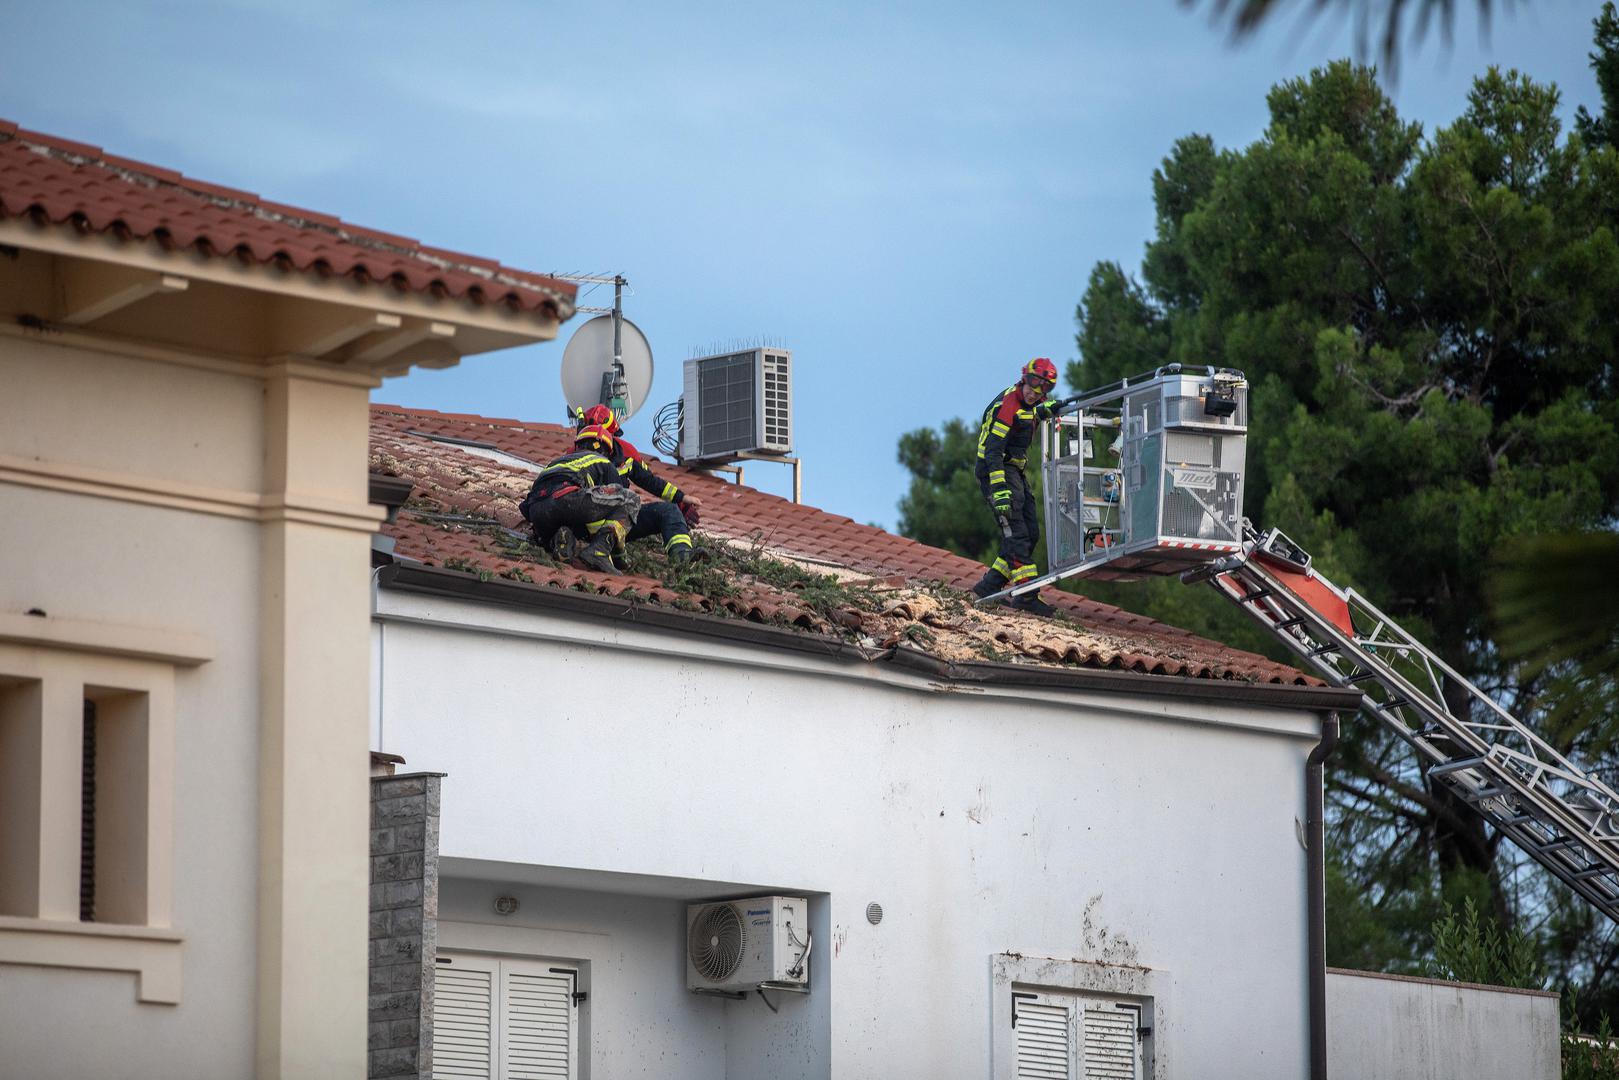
(615, 387)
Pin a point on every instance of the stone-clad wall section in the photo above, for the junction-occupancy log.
(404, 924)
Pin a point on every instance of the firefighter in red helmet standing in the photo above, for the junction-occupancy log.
(1004, 437)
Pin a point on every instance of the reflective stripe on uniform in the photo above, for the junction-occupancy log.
(578, 463)
(677, 540)
(575, 465)
(1001, 567)
(618, 527)
(1024, 572)
(997, 476)
(670, 491)
(999, 428)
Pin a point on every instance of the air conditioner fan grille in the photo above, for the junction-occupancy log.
(717, 941)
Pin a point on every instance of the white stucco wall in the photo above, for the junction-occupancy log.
(639, 1020)
(1113, 828)
(1397, 1028)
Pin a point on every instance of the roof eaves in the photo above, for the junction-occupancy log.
(559, 295)
(434, 581)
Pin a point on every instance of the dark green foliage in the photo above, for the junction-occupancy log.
(1556, 609)
(1589, 1057)
(944, 507)
(1470, 948)
(1603, 129)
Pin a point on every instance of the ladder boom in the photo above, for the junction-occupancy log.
(1563, 816)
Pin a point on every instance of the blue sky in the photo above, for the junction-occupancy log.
(909, 196)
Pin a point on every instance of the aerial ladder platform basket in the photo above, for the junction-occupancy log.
(1145, 478)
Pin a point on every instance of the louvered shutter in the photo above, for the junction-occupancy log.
(1110, 1042)
(537, 1022)
(1045, 1039)
(464, 1019)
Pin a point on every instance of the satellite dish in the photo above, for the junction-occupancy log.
(588, 372)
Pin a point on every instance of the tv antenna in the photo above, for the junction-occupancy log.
(607, 361)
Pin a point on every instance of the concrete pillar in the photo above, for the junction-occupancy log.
(313, 804)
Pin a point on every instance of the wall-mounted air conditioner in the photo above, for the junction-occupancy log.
(735, 946)
(737, 403)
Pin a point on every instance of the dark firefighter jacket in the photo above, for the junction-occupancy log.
(627, 460)
(571, 472)
(1006, 432)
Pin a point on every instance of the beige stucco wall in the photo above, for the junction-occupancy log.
(225, 504)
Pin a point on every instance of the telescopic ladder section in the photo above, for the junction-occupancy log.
(1562, 815)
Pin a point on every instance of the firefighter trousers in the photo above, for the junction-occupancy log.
(587, 512)
(662, 518)
(1016, 550)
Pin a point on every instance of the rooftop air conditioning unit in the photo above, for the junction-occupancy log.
(737, 403)
(739, 945)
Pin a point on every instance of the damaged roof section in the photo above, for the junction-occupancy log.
(778, 562)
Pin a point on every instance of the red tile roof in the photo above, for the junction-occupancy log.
(458, 482)
(58, 182)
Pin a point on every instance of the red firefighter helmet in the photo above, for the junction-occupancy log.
(603, 417)
(1040, 372)
(595, 433)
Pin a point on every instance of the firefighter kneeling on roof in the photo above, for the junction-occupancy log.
(581, 492)
(672, 515)
(1004, 437)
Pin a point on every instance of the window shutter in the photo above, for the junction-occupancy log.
(1045, 1043)
(537, 1023)
(463, 1022)
(1110, 1042)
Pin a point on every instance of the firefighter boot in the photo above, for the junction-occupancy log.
(599, 555)
(991, 583)
(563, 544)
(1031, 603)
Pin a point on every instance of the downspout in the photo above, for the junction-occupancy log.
(1315, 847)
(382, 644)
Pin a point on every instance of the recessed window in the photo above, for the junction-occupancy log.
(1066, 1019)
(1063, 1033)
(107, 733)
(87, 802)
(21, 709)
(115, 831)
(505, 1017)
